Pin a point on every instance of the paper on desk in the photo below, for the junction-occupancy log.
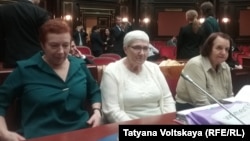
(243, 94)
(240, 110)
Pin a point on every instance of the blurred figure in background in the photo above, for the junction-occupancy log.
(108, 41)
(80, 35)
(19, 26)
(77, 53)
(172, 42)
(188, 38)
(97, 43)
(210, 24)
(153, 53)
(118, 32)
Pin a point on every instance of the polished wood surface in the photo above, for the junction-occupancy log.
(95, 134)
(246, 62)
(240, 77)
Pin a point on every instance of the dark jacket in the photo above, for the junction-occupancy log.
(19, 25)
(209, 26)
(77, 37)
(118, 35)
(96, 43)
(187, 43)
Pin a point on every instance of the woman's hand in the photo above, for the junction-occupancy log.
(75, 52)
(11, 136)
(95, 119)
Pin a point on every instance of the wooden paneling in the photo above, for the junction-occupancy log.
(169, 22)
(244, 22)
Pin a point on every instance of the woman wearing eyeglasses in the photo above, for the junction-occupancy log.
(133, 87)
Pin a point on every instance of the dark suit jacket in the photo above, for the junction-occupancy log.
(19, 25)
(77, 38)
(187, 43)
(96, 43)
(118, 36)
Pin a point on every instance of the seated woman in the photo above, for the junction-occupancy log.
(133, 87)
(77, 53)
(210, 71)
(52, 87)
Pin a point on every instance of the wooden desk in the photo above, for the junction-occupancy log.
(246, 62)
(94, 134)
(240, 77)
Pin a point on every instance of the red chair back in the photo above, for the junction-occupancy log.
(103, 60)
(84, 50)
(90, 57)
(172, 74)
(168, 52)
(112, 55)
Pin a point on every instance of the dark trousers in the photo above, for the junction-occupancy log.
(154, 57)
(183, 106)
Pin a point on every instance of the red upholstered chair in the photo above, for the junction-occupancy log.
(241, 56)
(112, 55)
(103, 60)
(168, 52)
(84, 50)
(172, 74)
(90, 57)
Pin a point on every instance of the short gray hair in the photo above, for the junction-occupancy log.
(134, 35)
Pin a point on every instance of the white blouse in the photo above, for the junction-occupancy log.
(127, 96)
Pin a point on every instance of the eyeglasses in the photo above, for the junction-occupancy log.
(139, 48)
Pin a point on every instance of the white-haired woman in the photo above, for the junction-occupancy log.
(133, 87)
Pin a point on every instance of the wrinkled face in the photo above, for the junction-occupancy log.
(137, 52)
(56, 48)
(220, 51)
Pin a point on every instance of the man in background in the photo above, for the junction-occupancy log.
(118, 32)
(19, 25)
(80, 35)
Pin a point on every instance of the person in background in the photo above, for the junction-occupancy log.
(52, 87)
(210, 71)
(153, 53)
(97, 43)
(118, 32)
(172, 42)
(133, 87)
(77, 53)
(109, 42)
(188, 38)
(210, 24)
(80, 35)
(19, 26)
